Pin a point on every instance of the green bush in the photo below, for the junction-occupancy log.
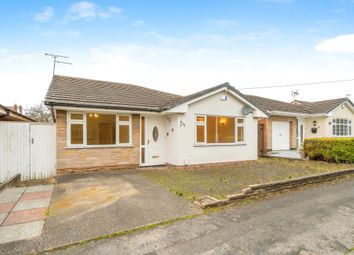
(340, 150)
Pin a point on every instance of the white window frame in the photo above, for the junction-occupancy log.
(349, 126)
(244, 130)
(204, 123)
(124, 122)
(69, 121)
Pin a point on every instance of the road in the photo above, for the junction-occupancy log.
(309, 221)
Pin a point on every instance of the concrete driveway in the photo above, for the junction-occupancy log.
(88, 205)
(313, 221)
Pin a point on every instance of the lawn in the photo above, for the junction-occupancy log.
(221, 180)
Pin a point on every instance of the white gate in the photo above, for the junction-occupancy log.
(27, 149)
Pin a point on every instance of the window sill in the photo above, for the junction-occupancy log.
(219, 144)
(99, 146)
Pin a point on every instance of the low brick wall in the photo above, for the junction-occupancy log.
(261, 189)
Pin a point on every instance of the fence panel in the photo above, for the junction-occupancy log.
(27, 149)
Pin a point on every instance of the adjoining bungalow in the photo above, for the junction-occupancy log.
(108, 125)
(290, 123)
(8, 113)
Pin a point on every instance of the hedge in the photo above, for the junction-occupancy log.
(340, 150)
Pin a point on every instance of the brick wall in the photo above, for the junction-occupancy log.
(267, 142)
(95, 158)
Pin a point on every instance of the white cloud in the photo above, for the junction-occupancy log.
(110, 12)
(90, 10)
(138, 23)
(45, 15)
(338, 44)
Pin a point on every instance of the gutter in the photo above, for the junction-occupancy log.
(297, 114)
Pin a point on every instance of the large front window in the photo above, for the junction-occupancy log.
(219, 129)
(341, 127)
(97, 129)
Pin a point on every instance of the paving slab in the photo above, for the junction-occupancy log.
(18, 190)
(2, 217)
(20, 231)
(6, 207)
(9, 197)
(39, 188)
(37, 195)
(25, 216)
(31, 204)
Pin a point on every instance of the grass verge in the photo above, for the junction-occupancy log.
(221, 180)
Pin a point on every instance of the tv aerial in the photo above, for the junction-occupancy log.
(55, 60)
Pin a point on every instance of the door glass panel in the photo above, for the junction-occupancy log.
(155, 134)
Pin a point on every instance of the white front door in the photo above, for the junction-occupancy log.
(280, 135)
(154, 141)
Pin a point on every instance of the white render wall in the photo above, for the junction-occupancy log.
(180, 144)
(325, 129)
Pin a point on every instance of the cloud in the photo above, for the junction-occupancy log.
(45, 15)
(139, 23)
(338, 44)
(90, 10)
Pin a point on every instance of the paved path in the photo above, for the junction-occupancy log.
(314, 220)
(22, 212)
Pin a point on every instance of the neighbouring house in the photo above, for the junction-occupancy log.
(290, 123)
(13, 113)
(108, 125)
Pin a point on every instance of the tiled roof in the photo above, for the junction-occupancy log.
(324, 106)
(275, 105)
(297, 106)
(13, 115)
(80, 92)
(71, 91)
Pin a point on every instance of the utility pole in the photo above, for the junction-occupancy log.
(55, 57)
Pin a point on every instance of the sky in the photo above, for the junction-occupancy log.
(179, 46)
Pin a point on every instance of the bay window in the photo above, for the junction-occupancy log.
(341, 127)
(219, 129)
(97, 129)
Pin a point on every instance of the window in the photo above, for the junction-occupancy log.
(240, 130)
(76, 127)
(219, 129)
(200, 129)
(341, 127)
(124, 126)
(101, 129)
(97, 129)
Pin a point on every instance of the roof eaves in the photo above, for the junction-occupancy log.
(101, 106)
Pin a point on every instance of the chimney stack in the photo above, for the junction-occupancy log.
(20, 109)
(15, 107)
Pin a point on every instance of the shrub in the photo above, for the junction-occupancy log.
(340, 150)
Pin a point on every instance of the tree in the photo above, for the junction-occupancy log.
(39, 112)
